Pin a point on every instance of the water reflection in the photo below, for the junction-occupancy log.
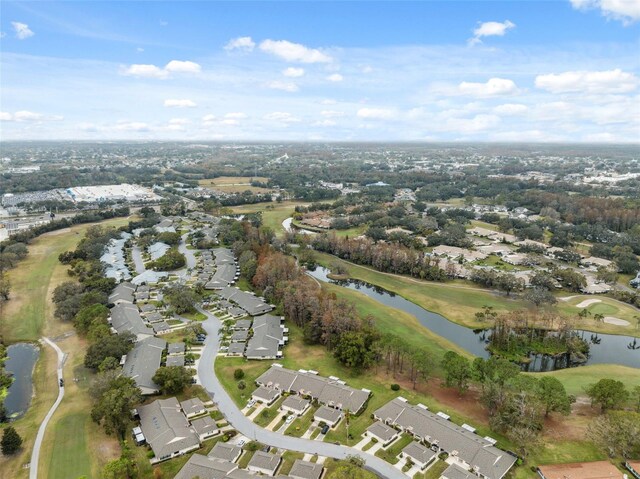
(605, 348)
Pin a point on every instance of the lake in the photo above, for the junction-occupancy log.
(21, 359)
(604, 348)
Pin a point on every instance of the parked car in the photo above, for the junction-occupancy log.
(241, 442)
(325, 429)
(289, 418)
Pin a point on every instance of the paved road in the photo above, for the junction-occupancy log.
(136, 254)
(241, 423)
(35, 454)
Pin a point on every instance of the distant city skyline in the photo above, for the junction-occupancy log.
(548, 71)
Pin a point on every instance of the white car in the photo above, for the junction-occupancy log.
(241, 442)
(251, 403)
(289, 419)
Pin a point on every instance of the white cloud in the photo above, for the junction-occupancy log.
(132, 126)
(375, 113)
(179, 121)
(325, 123)
(241, 43)
(282, 117)
(628, 11)
(284, 86)
(24, 115)
(493, 87)
(230, 122)
(328, 101)
(490, 29)
(152, 71)
(293, 72)
(139, 49)
(336, 77)
(510, 109)
(22, 30)
(85, 126)
(610, 81)
(294, 52)
(144, 71)
(180, 103)
(367, 69)
(238, 115)
(332, 113)
(209, 118)
(178, 66)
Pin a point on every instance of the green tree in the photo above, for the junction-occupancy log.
(11, 441)
(114, 346)
(238, 374)
(354, 349)
(86, 316)
(457, 371)
(617, 433)
(113, 408)
(181, 298)
(554, 396)
(608, 394)
(172, 379)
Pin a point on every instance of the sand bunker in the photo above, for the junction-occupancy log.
(588, 302)
(616, 321)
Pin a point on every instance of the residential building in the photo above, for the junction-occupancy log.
(193, 407)
(295, 405)
(264, 463)
(305, 470)
(419, 454)
(265, 395)
(125, 317)
(268, 337)
(166, 429)
(467, 448)
(123, 293)
(204, 467)
(328, 415)
(143, 361)
(226, 451)
(382, 433)
(205, 427)
(329, 391)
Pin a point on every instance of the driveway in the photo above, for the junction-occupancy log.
(241, 423)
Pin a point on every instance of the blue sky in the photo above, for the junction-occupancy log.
(558, 70)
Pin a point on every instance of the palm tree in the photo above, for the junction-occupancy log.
(598, 317)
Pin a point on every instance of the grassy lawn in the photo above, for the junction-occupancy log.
(70, 457)
(436, 297)
(300, 425)
(27, 316)
(267, 415)
(434, 471)
(195, 316)
(273, 214)
(576, 379)
(391, 453)
(607, 307)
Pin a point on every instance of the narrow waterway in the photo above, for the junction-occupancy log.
(21, 359)
(604, 348)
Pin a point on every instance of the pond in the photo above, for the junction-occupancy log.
(604, 348)
(21, 359)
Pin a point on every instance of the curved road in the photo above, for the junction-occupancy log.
(241, 423)
(35, 454)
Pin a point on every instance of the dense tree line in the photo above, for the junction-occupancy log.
(381, 256)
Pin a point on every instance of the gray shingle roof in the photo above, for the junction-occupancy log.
(204, 425)
(225, 451)
(327, 414)
(266, 394)
(419, 452)
(326, 390)
(192, 405)
(268, 335)
(471, 448)
(143, 361)
(296, 403)
(126, 318)
(265, 461)
(305, 470)
(176, 348)
(177, 360)
(204, 467)
(456, 472)
(166, 428)
(382, 431)
(253, 305)
(122, 292)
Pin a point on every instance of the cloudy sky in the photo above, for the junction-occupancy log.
(555, 70)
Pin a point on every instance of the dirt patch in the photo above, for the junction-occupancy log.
(588, 302)
(616, 321)
(57, 232)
